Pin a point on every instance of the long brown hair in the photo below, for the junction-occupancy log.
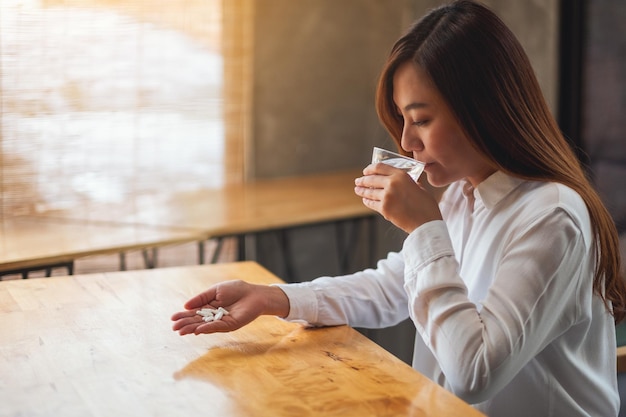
(483, 73)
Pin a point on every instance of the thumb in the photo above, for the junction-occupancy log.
(201, 299)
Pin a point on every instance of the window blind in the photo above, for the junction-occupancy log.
(105, 101)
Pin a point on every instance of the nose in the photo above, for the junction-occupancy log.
(410, 140)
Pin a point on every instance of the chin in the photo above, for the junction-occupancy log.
(434, 181)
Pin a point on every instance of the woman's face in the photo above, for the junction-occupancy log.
(432, 133)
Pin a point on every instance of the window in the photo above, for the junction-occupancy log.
(104, 101)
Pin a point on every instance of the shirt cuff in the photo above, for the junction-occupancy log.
(302, 302)
(426, 244)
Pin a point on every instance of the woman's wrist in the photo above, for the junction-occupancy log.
(276, 301)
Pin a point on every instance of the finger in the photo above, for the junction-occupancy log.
(368, 193)
(186, 321)
(201, 300)
(379, 168)
(188, 329)
(373, 169)
(202, 327)
(369, 170)
(372, 204)
(182, 314)
(214, 327)
(370, 181)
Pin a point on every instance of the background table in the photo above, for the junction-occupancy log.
(266, 205)
(240, 210)
(237, 208)
(102, 345)
(31, 243)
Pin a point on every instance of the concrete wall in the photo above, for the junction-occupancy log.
(316, 63)
(315, 69)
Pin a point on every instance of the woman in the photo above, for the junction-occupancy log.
(513, 279)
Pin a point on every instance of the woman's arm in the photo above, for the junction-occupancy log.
(373, 298)
(370, 298)
(533, 298)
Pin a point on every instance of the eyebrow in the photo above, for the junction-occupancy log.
(413, 106)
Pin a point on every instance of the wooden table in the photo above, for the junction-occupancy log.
(102, 345)
(30, 243)
(237, 210)
(265, 205)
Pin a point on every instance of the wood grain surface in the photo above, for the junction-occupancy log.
(239, 208)
(28, 241)
(102, 345)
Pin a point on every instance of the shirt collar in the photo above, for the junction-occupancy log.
(493, 189)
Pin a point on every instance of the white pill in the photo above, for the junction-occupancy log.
(206, 312)
(211, 314)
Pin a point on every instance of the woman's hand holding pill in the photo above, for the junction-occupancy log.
(228, 306)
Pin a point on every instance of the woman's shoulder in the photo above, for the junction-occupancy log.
(549, 195)
(549, 199)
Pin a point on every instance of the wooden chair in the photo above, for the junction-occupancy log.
(621, 359)
(620, 334)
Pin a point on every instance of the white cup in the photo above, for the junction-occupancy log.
(411, 166)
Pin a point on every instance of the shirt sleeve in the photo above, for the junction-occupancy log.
(373, 298)
(533, 296)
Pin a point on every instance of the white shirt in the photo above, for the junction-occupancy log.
(501, 296)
